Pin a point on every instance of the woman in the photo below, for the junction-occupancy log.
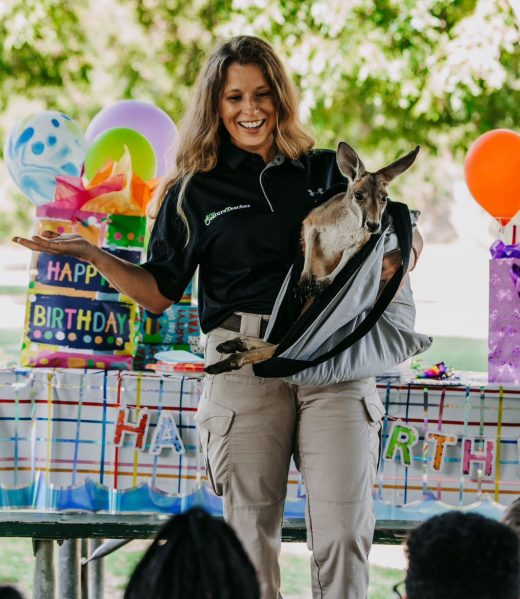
(244, 179)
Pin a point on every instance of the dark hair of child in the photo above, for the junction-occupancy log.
(457, 555)
(194, 556)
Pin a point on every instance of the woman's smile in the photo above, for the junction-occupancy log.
(252, 125)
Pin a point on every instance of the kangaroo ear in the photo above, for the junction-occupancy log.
(390, 172)
(350, 164)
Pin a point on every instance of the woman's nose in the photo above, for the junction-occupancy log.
(250, 106)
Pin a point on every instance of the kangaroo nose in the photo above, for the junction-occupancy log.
(372, 226)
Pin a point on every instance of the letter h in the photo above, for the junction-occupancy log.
(487, 457)
(139, 429)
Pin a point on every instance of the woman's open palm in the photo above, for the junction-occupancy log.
(68, 244)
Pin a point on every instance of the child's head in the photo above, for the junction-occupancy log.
(512, 516)
(9, 592)
(195, 556)
(458, 555)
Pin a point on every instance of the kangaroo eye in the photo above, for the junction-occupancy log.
(358, 195)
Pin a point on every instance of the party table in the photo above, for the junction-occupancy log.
(110, 454)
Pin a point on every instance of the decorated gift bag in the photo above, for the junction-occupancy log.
(74, 317)
(504, 314)
(176, 328)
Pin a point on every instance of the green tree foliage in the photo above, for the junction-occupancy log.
(384, 74)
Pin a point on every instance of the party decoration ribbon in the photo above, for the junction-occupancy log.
(500, 250)
(114, 189)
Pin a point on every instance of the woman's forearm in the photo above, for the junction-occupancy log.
(130, 280)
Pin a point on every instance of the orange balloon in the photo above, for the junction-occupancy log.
(492, 170)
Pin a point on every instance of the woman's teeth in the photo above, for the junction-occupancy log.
(252, 124)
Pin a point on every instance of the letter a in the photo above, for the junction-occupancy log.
(166, 435)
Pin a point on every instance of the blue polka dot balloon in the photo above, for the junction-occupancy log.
(41, 147)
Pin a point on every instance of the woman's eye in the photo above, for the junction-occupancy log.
(264, 94)
(384, 199)
(234, 98)
(358, 196)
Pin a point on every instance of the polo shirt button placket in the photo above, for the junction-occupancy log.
(264, 175)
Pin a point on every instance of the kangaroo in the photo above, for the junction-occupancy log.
(331, 234)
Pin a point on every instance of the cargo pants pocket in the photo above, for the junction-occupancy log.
(375, 413)
(214, 422)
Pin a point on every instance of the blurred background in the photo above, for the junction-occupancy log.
(384, 75)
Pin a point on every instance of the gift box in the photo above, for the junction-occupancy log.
(504, 314)
(174, 326)
(187, 295)
(74, 317)
(145, 354)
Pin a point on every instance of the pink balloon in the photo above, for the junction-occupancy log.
(147, 119)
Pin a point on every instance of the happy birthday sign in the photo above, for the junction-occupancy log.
(74, 317)
(67, 271)
(404, 437)
(128, 442)
(81, 322)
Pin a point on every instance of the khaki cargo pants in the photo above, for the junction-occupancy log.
(250, 427)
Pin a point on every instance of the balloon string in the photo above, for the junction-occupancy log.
(513, 241)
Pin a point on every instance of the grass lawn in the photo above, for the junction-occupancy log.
(16, 564)
(10, 343)
(457, 352)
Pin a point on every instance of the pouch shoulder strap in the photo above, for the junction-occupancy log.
(283, 367)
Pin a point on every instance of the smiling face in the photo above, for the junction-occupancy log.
(248, 110)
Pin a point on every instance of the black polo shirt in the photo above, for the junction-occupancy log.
(245, 219)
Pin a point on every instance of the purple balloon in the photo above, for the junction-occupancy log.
(147, 119)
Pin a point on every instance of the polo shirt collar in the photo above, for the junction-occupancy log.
(234, 156)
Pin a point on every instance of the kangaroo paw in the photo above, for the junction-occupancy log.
(309, 287)
(322, 284)
(234, 362)
(237, 344)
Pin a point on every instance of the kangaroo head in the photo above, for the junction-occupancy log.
(366, 194)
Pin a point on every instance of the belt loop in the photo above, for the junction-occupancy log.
(250, 324)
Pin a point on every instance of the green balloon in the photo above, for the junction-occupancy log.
(110, 145)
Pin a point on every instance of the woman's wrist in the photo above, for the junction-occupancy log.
(93, 254)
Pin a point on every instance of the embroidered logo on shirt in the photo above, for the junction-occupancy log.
(212, 215)
(318, 192)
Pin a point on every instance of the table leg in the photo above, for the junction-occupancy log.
(95, 572)
(69, 569)
(85, 569)
(43, 583)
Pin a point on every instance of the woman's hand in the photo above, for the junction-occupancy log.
(129, 279)
(52, 243)
(392, 261)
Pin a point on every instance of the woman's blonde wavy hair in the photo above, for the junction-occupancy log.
(199, 140)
